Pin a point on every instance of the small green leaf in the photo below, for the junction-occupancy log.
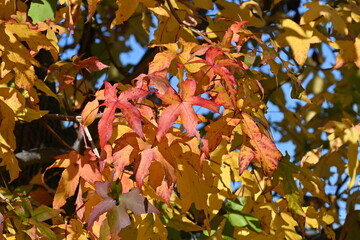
(40, 10)
(237, 220)
(232, 206)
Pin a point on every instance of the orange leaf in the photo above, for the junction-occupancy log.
(92, 8)
(76, 166)
(263, 149)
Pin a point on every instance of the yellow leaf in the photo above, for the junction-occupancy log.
(40, 85)
(29, 114)
(204, 4)
(12, 99)
(160, 10)
(89, 113)
(249, 11)
(15, 56)
(74, 230)
(354, 10)
(316, 10)
(126, 9)
(186, 56)
(11, 163)
(295, 37)
(311, 217)
(349, 52)
(328, 219)
(353, 164)
(181, 222)
(311, 158)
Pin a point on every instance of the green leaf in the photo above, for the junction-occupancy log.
(243, 220)
(41, 10)
(45, 230)
(232, 206)
(237, 220)
(43, 213)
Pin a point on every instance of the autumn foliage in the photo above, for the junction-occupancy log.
(187, 143)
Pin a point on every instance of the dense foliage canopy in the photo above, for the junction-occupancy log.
(179, 119)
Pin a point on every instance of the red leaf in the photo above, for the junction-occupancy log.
(245, 157)
(102, 207)
(182, 106)
(216, 64)
(130, 112)
(92, 64)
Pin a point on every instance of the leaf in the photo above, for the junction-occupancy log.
(349, 52)
(76, 166)
(104, 206)
(295, 37)
(1, 225)
(41, 10)
(216, 64)
(182, 106)
(91, 64)
(16, 56)
(40, 85)
(44, 213)
(245, 157)
(316, 9)
(264, 150)
(126, 9)
(204, 4)
(92, 8)
(29, 114)
(292, 193)
(239, 220)
(130, 112)
(89, 112)
(353, 164)
(136, 203)
(145, 162)
(351, 229)
(65, 72)
(116, 209)
(11, 104)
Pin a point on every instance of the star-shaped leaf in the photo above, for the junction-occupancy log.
(130, 112)
(116, 206)
(182, 105)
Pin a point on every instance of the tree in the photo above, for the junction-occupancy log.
(179, 145)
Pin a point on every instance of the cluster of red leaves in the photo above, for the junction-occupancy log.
(151, 109)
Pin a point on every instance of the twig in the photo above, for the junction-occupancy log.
(88, 135)
(47, 126)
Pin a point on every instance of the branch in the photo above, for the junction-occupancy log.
(47, 126)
